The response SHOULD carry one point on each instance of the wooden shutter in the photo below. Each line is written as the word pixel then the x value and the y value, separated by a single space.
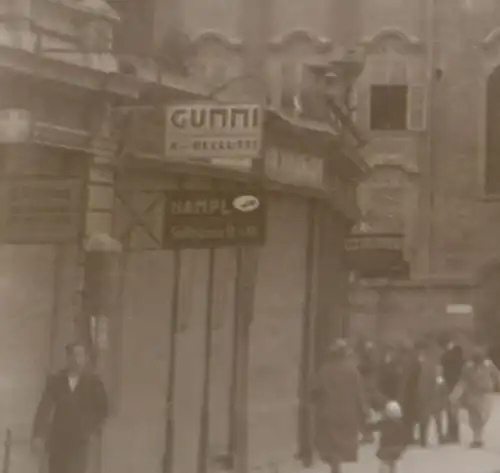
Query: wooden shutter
pixel 287 86
pixel 353 103
pixel 416 107
pixel 299 84
pixel 274 84
pixel 291 77
pixel 362 113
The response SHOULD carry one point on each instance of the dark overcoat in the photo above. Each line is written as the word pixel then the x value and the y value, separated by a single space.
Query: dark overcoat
pixel 340 408
pixel 68 419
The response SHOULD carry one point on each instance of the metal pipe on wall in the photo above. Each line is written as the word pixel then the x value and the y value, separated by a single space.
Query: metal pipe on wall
pixel 305 427
pixel 256 18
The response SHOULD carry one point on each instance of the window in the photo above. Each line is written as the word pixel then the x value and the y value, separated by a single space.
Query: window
pixel 389 107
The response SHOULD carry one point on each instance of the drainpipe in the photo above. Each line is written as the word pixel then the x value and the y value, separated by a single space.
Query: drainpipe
pixel 255 26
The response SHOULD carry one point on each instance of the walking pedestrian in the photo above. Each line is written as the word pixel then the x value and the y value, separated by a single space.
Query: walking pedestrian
pixel 440 405
pixel 452 362
pixel 392 440
pixel 419 393
pixel 338 399
pixel 474 392
pixel 71 411
pixel 391 372
pixel 368 366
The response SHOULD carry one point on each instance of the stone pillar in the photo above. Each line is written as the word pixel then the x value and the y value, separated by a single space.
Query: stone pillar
pixel 98 323
pixel 100 196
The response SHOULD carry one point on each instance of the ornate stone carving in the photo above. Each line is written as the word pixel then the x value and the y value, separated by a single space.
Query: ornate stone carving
pixel 321 45
pixel 491 49
pixel 394 39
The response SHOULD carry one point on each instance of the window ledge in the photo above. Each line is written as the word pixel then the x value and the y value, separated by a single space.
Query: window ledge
pixel 392 133
pixel 490 198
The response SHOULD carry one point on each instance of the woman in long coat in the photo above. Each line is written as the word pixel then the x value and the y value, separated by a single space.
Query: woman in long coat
pixel 474 392
pixel 340 408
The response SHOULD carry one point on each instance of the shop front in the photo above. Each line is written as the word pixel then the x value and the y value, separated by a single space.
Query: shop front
pixel 186 405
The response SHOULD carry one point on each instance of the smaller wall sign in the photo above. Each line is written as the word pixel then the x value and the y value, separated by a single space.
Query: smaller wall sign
pixel 213 218
pixel 41 210
pixel 368 242
pixel 291 167
pixel 459 309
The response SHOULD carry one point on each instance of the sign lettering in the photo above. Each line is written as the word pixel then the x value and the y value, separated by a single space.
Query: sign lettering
pixel 293 168
pixel 42 211
pixel 212 219
pixel 374 243
pixel 213 130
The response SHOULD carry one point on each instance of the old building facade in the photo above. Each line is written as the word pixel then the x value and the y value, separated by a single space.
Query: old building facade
pixel 70 176
pixel 425 103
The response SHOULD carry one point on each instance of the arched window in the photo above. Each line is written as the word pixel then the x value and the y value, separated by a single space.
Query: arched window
pixel 492 167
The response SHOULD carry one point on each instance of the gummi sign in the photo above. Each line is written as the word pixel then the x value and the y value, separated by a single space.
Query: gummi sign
pixel 213 131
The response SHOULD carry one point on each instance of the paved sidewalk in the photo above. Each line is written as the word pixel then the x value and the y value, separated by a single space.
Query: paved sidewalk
pixel 437 459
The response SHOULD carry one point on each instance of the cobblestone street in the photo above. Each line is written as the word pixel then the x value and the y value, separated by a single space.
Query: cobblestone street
pixel 436 459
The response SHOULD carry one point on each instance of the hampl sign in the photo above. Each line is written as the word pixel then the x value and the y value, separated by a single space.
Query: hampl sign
pixel 212 219
pixel 213 131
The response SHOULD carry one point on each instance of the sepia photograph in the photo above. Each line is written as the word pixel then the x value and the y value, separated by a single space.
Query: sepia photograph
pixel 249 236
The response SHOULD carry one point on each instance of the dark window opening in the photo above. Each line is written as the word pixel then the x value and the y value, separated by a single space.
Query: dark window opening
pixel 388 107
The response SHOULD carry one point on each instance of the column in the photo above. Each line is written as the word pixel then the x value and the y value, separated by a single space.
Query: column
pixel 99 322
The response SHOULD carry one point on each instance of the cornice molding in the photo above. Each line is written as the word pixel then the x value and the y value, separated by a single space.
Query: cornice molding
pixel 409 42
pixel 398 161
pixel 95 8
pixel 277 43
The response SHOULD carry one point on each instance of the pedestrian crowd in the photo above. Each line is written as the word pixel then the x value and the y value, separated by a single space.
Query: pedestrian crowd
pixel 399 391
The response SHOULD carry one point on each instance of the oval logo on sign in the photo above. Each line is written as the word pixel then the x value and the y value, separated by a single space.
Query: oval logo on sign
pixel 246 203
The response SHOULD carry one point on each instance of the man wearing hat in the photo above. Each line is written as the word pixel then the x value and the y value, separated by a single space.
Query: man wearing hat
pixel 71 412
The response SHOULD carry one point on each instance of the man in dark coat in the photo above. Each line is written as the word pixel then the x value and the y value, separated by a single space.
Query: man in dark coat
pixel 391 376
pixel 338 398
pixel 72 410
pixel 411 398
pixel 368 366
pixel 452 362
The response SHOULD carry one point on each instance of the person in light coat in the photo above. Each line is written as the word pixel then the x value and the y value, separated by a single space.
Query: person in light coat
pixel 475 392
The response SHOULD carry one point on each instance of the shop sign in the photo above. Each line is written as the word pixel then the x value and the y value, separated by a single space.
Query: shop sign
pixel 291 167
pixel 42 210
pixel 213 219
pixel 377 255
pixel 213 131
pixel 459 309
pixel 366 242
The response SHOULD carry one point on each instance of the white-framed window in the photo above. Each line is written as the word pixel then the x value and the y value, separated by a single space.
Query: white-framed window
pixel 393 101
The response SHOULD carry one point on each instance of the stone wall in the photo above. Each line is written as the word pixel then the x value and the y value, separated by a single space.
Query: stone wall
pixel 407 311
